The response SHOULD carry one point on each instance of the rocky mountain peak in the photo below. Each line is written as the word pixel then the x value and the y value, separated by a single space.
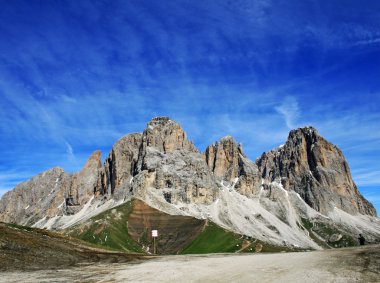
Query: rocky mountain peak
pixel 308 134
pixel 307 130
pixel 120 164
pixel 317 170
pixel 166 135
pixel 159 121
pixel 94 161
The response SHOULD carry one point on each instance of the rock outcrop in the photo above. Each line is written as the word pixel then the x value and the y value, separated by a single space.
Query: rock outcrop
pixel 120 164
pixel 171 164
pixel 162 158
pixel 315 169
pixel 42 196
pixel 228 163
pixel 84 184
pixel 166 136
pixel 51 193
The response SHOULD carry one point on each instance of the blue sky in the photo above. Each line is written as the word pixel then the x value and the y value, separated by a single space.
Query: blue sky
pixel 77 75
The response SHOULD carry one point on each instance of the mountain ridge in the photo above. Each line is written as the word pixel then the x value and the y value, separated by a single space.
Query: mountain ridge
pixel 307 178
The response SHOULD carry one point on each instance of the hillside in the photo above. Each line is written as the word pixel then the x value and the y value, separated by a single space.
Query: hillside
pixel 24 248
pixel 128 228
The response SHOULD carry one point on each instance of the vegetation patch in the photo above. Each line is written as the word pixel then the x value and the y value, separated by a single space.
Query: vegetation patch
pixel 327 236
pixel 214 239
pixel 329 231
pixel 109 229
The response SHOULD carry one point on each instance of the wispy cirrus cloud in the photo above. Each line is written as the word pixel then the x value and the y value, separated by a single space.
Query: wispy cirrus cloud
pixel 368 41
pixel 366 178
pixel 290 110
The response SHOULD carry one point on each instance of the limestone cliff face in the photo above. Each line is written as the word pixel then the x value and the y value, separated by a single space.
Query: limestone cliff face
pixel 228 163
pixel 166 136
pixel 160 159
pixel 84 183
pixel 223 158
pixel 51 193
pixel 316 170
pixel 120 164
pixel 41 196
pixel 171 164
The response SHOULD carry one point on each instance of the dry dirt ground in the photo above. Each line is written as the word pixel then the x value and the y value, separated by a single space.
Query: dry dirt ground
pixel 361 264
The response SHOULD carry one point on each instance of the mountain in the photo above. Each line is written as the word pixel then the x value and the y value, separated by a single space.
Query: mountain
pixel 298 195
pixel 317 170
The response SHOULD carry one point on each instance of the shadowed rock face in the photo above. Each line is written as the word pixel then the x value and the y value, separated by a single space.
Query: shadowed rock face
pixel 84 183
pixel 223 158
pixel 316 170
pixel 120 164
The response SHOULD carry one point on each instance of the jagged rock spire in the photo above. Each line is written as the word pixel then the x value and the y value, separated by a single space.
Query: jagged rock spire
pixel 228 162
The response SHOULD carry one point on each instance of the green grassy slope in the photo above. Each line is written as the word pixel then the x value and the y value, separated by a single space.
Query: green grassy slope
pixel 109 229
pixel 214 239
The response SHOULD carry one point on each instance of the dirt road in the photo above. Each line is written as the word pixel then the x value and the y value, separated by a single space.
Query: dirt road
pixel 360 264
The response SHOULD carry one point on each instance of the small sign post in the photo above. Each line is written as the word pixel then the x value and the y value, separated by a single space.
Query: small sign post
pixel 154 235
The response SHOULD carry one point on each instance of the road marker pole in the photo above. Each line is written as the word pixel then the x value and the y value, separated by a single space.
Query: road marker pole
pixel 154 235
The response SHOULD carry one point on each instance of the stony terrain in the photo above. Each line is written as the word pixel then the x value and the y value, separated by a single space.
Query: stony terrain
pixel 359 264
pixel 299 195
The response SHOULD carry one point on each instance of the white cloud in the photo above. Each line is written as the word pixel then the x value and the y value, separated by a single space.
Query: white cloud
pixel 68 99
pixel 368 41
pixel 70 152
pixel 290 110
pixel 371 178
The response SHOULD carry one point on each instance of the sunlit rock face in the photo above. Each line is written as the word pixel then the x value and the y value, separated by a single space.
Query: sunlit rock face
pixel 51 193
pixel 161 159
pixel 228 163
pixel 317 170
pixel 170 163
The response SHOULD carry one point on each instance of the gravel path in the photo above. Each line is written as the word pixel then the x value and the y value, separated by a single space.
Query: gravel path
pixel 360 264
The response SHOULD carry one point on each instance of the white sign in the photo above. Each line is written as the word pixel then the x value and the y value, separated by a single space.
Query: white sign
pixel 154 233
